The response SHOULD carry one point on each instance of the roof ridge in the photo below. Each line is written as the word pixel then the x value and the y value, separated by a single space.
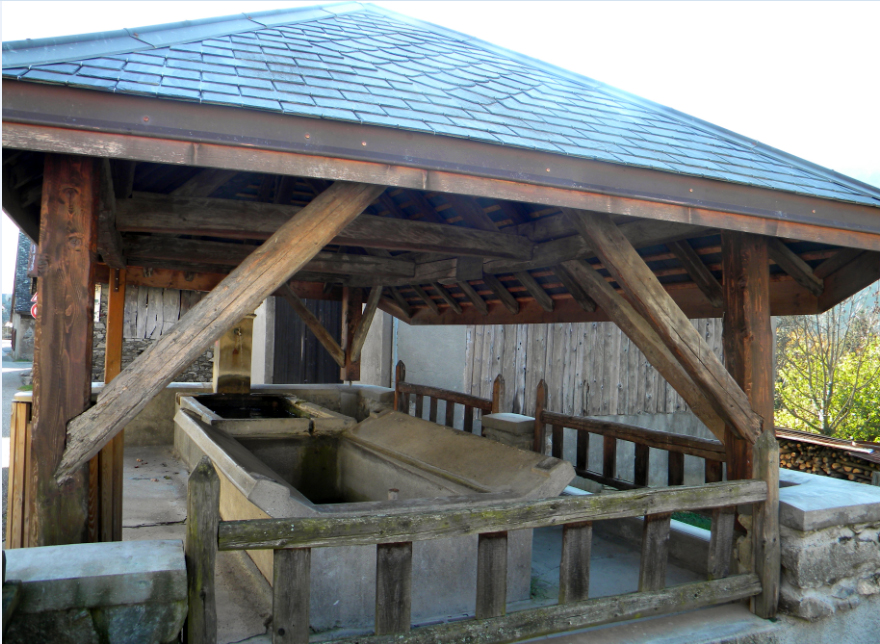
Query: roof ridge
pixel 688 119
pixel 130 40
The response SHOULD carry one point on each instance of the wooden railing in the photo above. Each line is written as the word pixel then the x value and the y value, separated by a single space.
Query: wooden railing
pixel 403 390
pixel 394 534
pixel 676 445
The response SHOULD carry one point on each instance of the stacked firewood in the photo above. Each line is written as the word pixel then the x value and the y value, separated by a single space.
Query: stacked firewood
pixel 826 461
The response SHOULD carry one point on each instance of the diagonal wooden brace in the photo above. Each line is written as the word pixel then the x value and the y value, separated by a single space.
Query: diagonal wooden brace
pixel 650 299
pixel 273 263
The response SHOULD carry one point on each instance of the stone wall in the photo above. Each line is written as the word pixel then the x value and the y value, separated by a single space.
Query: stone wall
pixel 202 370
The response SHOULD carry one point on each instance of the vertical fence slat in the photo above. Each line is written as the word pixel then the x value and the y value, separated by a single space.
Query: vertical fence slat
pixel 676 468
pixel 540 427
pixel 721 542
pixel 655 551
pixel 714 471
pixel 469 419
pixel 420 401
pixel 401 402
pixel 557 445
pixel 574 567
pixel 642 465
pixel 450 413
pixel 393 588
pixel 609 456
pixel 432 412
pixel 290 601
pixel 491 575
pixel 583 450
pixel 202 519
pixel 498 394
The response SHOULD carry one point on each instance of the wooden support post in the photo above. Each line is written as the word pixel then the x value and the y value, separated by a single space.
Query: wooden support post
pixel 714 471
pixel 675 468
pixel 321 333
pixel 352 312
pixel 62 346
pixel 393 588
pixel 540 426
pixel 290 596
pixel 112 454
pixel 655 552
pixel 273 263
pixel 202 520
pixel 642 465
pixel 721 542
pixel 401 400
pixel 497 394
pixel 491 575
pixel 574 567
pixel 556 445
pixel 658 308
pixel 363 328
pixel 748 349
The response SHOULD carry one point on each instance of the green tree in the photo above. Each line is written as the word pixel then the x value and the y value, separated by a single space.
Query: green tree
pixel 828 370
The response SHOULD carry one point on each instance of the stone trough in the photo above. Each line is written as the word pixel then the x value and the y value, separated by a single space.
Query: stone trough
pixel 281 456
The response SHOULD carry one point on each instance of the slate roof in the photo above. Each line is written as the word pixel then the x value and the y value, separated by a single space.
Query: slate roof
pixel 364 64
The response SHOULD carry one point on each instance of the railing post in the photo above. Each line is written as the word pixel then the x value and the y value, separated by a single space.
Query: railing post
pixel 291 576
pixel 202 520
pixel 469 419
pixel 450 413
pixel 582 459
pixel 432 410
pixel 675 468
pixel 557 445
pixel 574 567
pixel 393 588
pixel 721 542
pixel 491 575
pixel 642 465
pixel 655 552
pixel 497 394
pixel 540 427
pixel 399 376
pixel 765 526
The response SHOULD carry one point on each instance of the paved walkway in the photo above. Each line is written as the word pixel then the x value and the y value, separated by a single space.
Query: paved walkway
pixel 11 382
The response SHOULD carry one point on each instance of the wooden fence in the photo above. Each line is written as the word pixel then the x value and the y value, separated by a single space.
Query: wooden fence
pixel 591 368
pixel 151 312
pixel 403 390
pixel 393 535
pixel 676 445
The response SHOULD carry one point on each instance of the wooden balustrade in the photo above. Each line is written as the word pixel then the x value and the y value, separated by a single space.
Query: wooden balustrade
pixel 403 390
pixel 676 445
pixel 393 534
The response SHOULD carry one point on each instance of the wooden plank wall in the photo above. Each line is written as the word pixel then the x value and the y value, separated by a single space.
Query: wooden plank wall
pixel 591 368
pixel 151 312
pixel 299 357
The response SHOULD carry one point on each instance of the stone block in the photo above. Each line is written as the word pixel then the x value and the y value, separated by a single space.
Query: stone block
pixel 120 592
pixel 810 502
pixel 514 430
pixel 824 557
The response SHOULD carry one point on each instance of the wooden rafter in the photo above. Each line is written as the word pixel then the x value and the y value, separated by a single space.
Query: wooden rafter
pixel 478 302
pixel 427 299
pixel 400 301
pixel 109 240
pixel 241 292
pixel 795 266
pixel 698 271
pixel 574 289
pixel 447 297
pixel 205 182
pixel 363 327
pixel 501 292
pixel 535 290
pixel 660 310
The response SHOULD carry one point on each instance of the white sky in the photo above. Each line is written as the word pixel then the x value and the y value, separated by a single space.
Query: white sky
pixel 800 76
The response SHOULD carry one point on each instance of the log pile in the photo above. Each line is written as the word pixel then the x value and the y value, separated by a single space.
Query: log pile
pixel 825 460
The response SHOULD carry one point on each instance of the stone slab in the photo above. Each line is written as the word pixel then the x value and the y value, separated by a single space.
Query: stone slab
pixel 810 502
pixel 515 424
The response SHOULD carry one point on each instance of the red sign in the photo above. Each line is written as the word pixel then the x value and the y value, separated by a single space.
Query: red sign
pixel 34 307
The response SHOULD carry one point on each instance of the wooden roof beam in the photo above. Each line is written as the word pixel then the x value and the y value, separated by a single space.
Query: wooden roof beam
pixel 788 261
pixel 109 240
pixel 698 271
pixel 234 219
pixel 291 247
pixel 672 325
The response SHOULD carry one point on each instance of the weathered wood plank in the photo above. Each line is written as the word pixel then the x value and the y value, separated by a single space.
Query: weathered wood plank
pixel 352 313
pixel 111 457
pixel 765 527
pixel 721 542
pixel 491 575
pixel 202 519
pixel 655 551
pixel 240 293
pixel 290 596
pixel 366 530
pixel 698 271
pixel 537 622
pixel 788 261
pixel 574 566
pixel 630 271
pixel 323 335
pixel 393 588
pixel 62 345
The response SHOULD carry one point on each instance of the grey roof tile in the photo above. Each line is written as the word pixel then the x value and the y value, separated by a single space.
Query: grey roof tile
pixel 363 64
